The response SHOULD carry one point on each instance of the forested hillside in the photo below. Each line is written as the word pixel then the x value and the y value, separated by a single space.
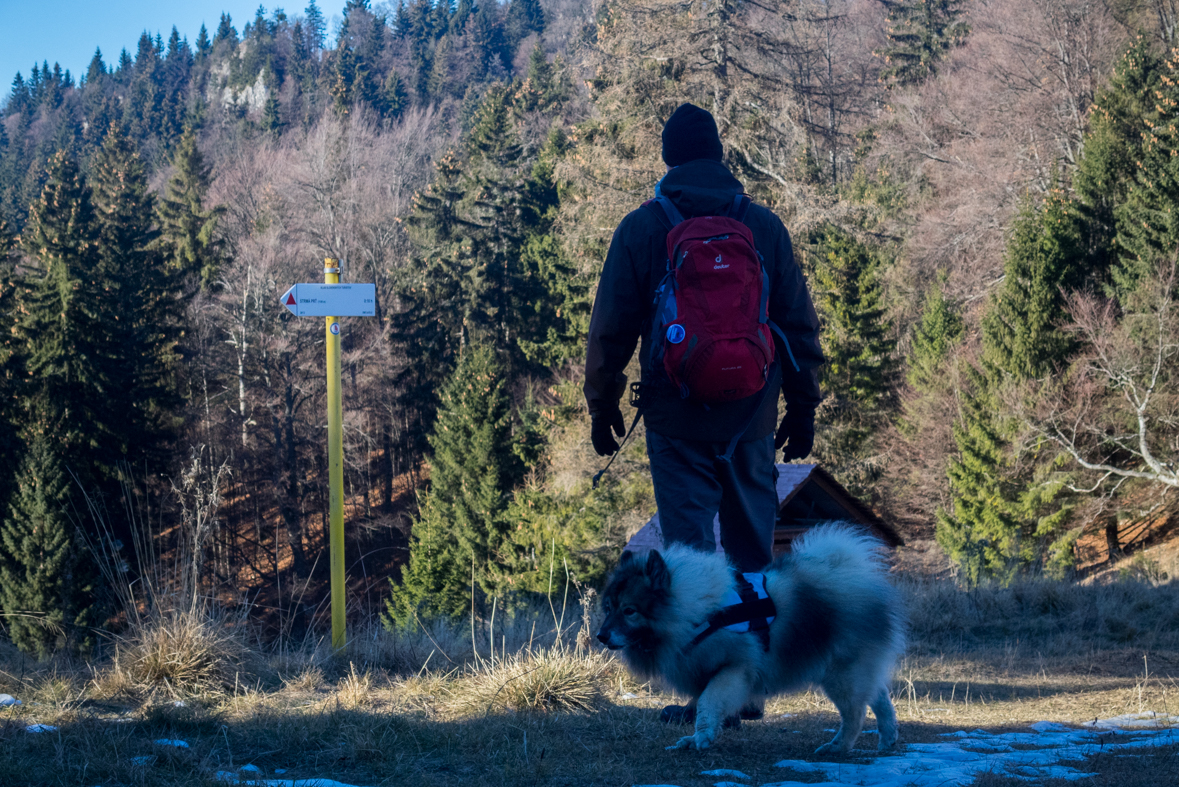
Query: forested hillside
pixel 982 194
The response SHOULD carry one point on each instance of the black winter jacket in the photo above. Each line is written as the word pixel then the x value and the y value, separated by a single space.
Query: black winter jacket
pixel 635 265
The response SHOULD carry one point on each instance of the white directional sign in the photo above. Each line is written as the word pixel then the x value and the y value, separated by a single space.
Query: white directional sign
pixel 331 300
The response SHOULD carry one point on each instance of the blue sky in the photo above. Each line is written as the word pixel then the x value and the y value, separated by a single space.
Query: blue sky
pixel 67 31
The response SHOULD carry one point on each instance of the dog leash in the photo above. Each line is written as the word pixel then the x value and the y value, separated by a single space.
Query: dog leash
pixel 636 401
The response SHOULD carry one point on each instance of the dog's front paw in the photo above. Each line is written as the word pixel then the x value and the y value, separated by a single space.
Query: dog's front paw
pixel 831 748
pixel 697 741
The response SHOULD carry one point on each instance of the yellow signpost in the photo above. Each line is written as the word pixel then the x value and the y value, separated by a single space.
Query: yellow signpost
pixel 335 413
pixel 332 300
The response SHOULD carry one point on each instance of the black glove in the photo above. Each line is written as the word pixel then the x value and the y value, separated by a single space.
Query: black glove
pixel 799 430
pixel 601 423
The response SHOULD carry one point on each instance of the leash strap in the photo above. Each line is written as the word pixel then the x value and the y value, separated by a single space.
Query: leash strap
pixel 634 422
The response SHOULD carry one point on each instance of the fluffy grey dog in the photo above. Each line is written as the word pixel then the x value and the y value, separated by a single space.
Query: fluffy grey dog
pixel 839 625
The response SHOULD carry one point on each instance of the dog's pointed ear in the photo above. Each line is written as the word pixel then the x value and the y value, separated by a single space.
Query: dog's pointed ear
pixel 627 557
pixel 656 571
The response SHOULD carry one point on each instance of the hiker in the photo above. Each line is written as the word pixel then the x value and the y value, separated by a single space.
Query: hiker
pixel 711 442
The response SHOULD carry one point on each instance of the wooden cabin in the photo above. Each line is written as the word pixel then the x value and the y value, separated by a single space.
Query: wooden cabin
pixel 807 496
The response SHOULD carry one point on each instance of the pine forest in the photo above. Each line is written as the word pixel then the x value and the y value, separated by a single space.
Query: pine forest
pixel 983 196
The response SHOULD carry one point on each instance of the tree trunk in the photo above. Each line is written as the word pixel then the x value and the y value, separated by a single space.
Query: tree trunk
pixel 1111 538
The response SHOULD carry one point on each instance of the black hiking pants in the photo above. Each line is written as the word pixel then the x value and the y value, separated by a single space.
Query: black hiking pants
pixel 693 484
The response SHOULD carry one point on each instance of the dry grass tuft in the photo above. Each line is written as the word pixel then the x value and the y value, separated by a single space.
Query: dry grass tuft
pixel 180 652
pixel 111 682
pixel 309 679
pixel 355 690
pixel 552 679
pixel 56 691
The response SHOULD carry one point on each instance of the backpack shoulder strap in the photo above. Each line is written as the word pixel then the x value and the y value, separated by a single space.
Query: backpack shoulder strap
pixel 740 207
pixel 666 211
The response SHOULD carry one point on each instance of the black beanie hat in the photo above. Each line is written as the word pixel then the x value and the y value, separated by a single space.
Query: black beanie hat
pixel 690 134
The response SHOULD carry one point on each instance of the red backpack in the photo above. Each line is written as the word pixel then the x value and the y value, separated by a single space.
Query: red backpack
pixel 711 332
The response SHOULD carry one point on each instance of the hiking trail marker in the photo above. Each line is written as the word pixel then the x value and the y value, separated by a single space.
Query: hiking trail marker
pixel 332 301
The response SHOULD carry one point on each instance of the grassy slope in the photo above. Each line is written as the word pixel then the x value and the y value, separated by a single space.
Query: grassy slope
pixel 996 659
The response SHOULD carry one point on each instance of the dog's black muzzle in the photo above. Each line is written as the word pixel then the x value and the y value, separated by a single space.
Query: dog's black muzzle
pixel 604 638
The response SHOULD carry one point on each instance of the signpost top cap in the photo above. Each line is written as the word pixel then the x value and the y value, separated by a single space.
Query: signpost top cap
pixel 331 265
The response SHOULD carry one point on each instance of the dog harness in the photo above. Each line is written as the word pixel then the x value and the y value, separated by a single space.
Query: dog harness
pixel 748 607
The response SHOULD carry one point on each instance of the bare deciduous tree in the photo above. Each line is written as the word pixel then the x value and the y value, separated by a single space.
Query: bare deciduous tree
pixel 1117 415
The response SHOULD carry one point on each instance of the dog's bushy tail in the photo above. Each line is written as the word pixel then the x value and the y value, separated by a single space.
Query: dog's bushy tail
pixel 849 563
pixel 840 545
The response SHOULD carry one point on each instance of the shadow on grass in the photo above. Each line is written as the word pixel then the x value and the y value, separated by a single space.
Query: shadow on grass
pixel 617 745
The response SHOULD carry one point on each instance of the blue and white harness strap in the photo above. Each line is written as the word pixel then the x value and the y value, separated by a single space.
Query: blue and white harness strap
pixel 747 608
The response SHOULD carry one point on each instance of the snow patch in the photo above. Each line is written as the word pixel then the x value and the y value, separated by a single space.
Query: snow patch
pixel 168 742
pixel 725 772
pixel 1132 720
pixel 960 760
pixel 7 700
pixel 234 778
pixel 1049 726
pixel 40 728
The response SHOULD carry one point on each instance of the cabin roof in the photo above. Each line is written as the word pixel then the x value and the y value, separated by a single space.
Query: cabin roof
pixel 807 495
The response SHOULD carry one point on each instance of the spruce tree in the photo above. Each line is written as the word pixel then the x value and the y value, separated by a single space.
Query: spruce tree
pixel 524 18
pixel 139 301
pixel 396 98
pixel 1108 168
pixel 1148 220
pixel 11 363
pixel 429 325
pixel 20 100
pixel 462 13
pixel 860 367
pixel 928 406
pixel 203 45
pixel 981 535
pixel 1008 512
pixel 420 34
pixel 487 267
pixel 941 328
pixel 41 591
pixel 438 84
pixel 469 282
pixel 64 326
pixel 143 112
pixel 188 230
pixel 1024 326
pixel 342 87
pixel 316 25
pixel 489 42
pixel 226 33
pixel 97 68
pixel 555 327
pixel 920 34
pixel 271 116
pixel 473 470
pixel 545 87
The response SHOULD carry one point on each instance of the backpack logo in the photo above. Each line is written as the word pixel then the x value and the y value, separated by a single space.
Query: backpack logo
pixel 675 333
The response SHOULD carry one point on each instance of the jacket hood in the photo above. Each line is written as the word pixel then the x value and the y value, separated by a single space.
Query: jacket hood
pixel 701 188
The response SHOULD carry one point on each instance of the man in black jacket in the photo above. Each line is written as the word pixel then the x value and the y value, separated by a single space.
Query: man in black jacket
pixel 686 440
